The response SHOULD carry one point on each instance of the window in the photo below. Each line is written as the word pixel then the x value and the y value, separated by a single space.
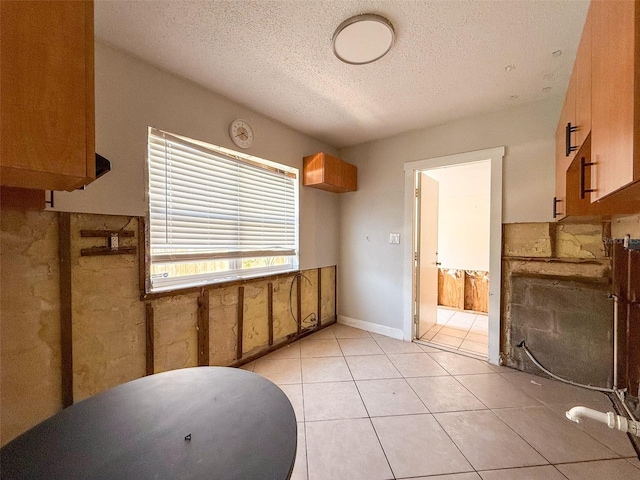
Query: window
pixel 216 215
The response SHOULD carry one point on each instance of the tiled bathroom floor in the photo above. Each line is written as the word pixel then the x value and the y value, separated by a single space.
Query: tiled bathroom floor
pixel 457 330
pixel 373 408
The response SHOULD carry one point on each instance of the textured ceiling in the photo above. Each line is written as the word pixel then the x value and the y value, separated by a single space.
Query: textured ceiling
pixel 275 57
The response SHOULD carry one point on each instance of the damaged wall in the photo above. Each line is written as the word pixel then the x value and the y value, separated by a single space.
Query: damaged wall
pixel 109 319
pixel 556 281
pixel 30 327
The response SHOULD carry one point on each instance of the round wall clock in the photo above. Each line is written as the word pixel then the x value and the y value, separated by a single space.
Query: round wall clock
pixel 241 133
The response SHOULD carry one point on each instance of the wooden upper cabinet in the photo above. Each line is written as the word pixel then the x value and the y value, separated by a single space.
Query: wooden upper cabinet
pixel 47 84
pixel 615 142
pixel 578 196
pixel 326 172
pixel 583 85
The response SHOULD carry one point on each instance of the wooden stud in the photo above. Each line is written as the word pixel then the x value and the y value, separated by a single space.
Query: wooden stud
pixel 214 286
pixel 319 297
pixel 203 328
pixel 287 341
pixel 66 333
pixel 107 233
pixel 240 321
pixel 93 251
pixel 299 302
pixel 150 329
pixel 270 311
pixel 142 271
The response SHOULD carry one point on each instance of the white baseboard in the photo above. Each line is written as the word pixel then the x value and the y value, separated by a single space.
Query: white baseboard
pixel 371 327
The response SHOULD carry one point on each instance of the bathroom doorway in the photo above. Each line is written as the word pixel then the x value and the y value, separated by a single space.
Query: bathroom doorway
pixel 453 253
pixel 414 326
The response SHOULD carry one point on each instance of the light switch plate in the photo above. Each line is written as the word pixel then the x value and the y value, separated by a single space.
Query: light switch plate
pixel 394 238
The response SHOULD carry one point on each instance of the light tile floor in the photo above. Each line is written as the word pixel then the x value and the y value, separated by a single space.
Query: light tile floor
pixel 458 330
pixel 373 408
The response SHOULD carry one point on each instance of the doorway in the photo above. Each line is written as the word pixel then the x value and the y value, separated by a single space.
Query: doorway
pixel 411 276
pixel 452 256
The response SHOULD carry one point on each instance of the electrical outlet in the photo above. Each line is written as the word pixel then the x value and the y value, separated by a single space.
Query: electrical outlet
pixel 394 238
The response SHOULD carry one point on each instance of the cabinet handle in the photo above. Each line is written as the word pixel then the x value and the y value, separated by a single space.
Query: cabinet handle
pixel 568 148
pixel 555 207
pixel 583 191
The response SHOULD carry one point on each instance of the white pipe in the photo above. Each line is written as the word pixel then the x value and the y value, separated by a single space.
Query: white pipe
pixel 611 419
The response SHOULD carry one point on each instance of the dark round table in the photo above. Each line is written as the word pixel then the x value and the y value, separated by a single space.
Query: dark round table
pixel 194 423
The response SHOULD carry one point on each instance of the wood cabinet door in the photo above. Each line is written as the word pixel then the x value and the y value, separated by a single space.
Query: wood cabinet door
pixel 613 96
pixel 332 171
pixel 560 199
pixel 583 84
pixel 563 161
pixel 47 94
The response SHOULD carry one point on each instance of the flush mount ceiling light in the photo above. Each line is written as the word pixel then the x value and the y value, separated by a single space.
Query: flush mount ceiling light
pixel 363 39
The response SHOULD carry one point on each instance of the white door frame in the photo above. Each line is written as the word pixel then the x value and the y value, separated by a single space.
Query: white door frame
pixel 494 155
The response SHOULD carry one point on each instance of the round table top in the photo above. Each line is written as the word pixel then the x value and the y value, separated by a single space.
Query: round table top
pixel 194 423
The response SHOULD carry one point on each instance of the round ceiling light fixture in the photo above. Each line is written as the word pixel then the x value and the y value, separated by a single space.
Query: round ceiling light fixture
pixel 363 39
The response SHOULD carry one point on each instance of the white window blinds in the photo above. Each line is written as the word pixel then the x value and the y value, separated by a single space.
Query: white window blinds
pixel 206 205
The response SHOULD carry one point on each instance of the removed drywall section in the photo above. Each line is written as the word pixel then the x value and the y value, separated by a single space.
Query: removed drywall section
pixel 526 240
pixel 567 324
pixel 109 334
pixel 30 329
pixel 476 291
pixel 175 337
pixel 256 312
pixel 328 297
pixel 107 314
pixel 623 226
pixel 579 240
pixel 451 288
pixel 285 307
pixel 463 289
pixel 223 340
pixel 309 298
pixel 555 298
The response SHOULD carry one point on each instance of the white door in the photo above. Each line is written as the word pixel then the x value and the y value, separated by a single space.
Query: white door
pixel 427 258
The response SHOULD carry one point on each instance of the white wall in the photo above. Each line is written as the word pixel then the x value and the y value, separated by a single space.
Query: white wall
pixel 463 215
pixel 132 95
pixel 371 270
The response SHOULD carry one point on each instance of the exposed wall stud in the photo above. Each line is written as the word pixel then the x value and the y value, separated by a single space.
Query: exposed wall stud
pixel 142 273
pixel 299 302
pixel 66 334
pixel 203 328
pixel 270 311
pixel 150 338
pixel 240 321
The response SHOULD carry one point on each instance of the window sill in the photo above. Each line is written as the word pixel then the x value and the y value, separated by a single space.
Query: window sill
pixel 171 291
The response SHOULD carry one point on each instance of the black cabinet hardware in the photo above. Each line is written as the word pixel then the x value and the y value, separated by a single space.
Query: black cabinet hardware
pixel 583 190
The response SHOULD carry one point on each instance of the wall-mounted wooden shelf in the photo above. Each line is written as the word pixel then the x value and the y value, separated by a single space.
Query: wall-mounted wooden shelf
pixel 326 172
